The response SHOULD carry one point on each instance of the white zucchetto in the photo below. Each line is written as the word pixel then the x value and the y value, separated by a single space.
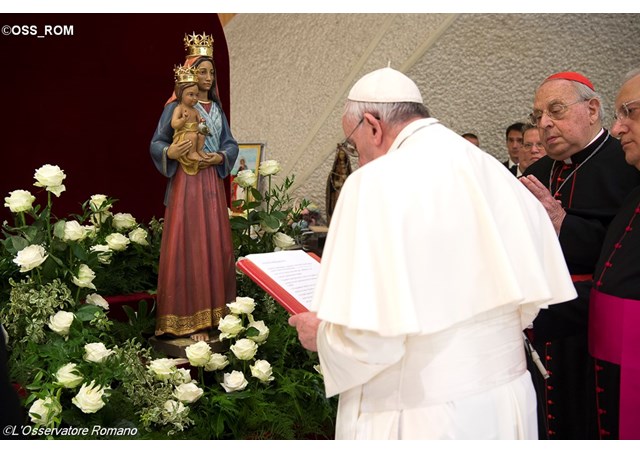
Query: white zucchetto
pixel 385 85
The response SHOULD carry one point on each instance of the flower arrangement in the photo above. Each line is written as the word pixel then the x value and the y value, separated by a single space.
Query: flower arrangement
pixel 89 376
pixel 94 248
pixel 268 220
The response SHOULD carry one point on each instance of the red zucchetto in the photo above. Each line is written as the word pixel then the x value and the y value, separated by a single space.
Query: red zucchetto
pixel 574 76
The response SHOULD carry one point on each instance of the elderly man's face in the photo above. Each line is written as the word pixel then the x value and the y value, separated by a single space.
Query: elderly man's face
pixel 532 148
pixel 353 130
pixel 571 131
pixel 627 126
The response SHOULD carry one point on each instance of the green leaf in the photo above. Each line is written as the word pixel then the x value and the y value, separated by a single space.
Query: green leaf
pixel 58 229
pixel 255 193
pixel 252 332
pixel 17 244
pixel 131 314
pixel 239 223
pixel 79 251
pixel 280 215
pixel 87 312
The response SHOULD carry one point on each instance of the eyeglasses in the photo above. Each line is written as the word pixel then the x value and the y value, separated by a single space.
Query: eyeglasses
pixel 623 112
pixel 348 147
pixel 555 111
pixel 528 146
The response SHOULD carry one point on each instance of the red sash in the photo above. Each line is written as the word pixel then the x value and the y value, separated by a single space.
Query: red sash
pixel 614 336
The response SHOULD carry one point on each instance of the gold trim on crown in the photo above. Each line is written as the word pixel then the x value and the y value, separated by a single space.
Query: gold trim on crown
pixel 185 74
pixel 198 45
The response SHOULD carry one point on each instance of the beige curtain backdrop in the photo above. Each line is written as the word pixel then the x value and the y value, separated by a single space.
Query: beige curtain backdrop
pixel 290 73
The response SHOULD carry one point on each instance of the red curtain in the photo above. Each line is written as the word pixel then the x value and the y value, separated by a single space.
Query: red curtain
pixel 88 99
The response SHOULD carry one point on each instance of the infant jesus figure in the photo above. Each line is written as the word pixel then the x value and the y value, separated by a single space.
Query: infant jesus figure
pixel 188 125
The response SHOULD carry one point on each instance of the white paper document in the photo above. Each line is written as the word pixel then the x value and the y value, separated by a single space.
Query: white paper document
pixel 294 270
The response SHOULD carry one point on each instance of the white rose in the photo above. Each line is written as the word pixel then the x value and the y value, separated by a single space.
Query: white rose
pixel 188 393
pixel 246 178
pixel 269 167
pixel 173 407
pixel 139 236
pixel 19 201
pixel 100 217
pixel 50 177
pixel 103 251
pixel 99 202
pixel 43 411
pixel 230 326
pixel 182 376
pixel 163 369
pixel 97 300
pixel 117 241
pixel 89 398
pixel 122 221
pixel 216 362
pixel 96 352
pixel 242 305
pixel 73 231
pixel 68 376
pixel 234 381
pixel 91 230
pixel 283 241
pixel 198 353
pixel 261 370
pixel 85 277
pixel 244 349
pixel 263 332
pixel 61 322
pixel 30 257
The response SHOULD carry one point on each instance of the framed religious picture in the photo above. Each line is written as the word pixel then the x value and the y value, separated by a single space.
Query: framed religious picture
pixel 249 156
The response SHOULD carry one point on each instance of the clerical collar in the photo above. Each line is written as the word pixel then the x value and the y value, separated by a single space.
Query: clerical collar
pixel 584 154
pixel 411 129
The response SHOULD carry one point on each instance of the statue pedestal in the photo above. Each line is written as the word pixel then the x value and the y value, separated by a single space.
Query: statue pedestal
pixel 175 347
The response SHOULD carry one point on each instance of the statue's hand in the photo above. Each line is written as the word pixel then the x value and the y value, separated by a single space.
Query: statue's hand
pixel 176 150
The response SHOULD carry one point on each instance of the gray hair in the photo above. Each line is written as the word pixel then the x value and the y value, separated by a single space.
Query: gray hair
pixel 584 93
pixel 389 112
pixel 630 75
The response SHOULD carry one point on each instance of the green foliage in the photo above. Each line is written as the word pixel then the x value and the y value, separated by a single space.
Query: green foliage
pixel 122 256
pixel 30 306
pixel 264 216
pixel 119 254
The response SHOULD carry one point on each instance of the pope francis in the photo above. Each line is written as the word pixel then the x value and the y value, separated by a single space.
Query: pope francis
pixel 424 293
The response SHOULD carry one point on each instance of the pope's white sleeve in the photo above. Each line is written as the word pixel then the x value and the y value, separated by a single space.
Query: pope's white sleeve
pixel 351 357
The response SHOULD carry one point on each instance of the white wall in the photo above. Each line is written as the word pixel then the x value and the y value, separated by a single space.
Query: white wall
pixel 290 73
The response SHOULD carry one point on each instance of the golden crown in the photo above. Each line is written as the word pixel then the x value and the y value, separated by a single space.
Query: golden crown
pixel 184 74
pixel 198 45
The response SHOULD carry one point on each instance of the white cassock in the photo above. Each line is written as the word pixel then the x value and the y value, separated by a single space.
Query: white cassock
pixel 436 260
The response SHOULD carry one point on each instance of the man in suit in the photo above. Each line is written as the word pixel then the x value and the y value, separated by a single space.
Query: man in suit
pixel 514 143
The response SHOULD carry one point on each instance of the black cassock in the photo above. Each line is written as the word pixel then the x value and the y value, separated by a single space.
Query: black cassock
pixel 592 187
pixel 617 274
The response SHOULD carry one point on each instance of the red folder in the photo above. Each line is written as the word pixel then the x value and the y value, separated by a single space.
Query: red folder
pixel 272 288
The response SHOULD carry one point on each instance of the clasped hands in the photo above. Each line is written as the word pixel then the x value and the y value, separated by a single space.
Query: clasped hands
pixel 176 150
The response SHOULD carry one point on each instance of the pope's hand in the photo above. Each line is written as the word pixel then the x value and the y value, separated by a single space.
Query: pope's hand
pixel 307 326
